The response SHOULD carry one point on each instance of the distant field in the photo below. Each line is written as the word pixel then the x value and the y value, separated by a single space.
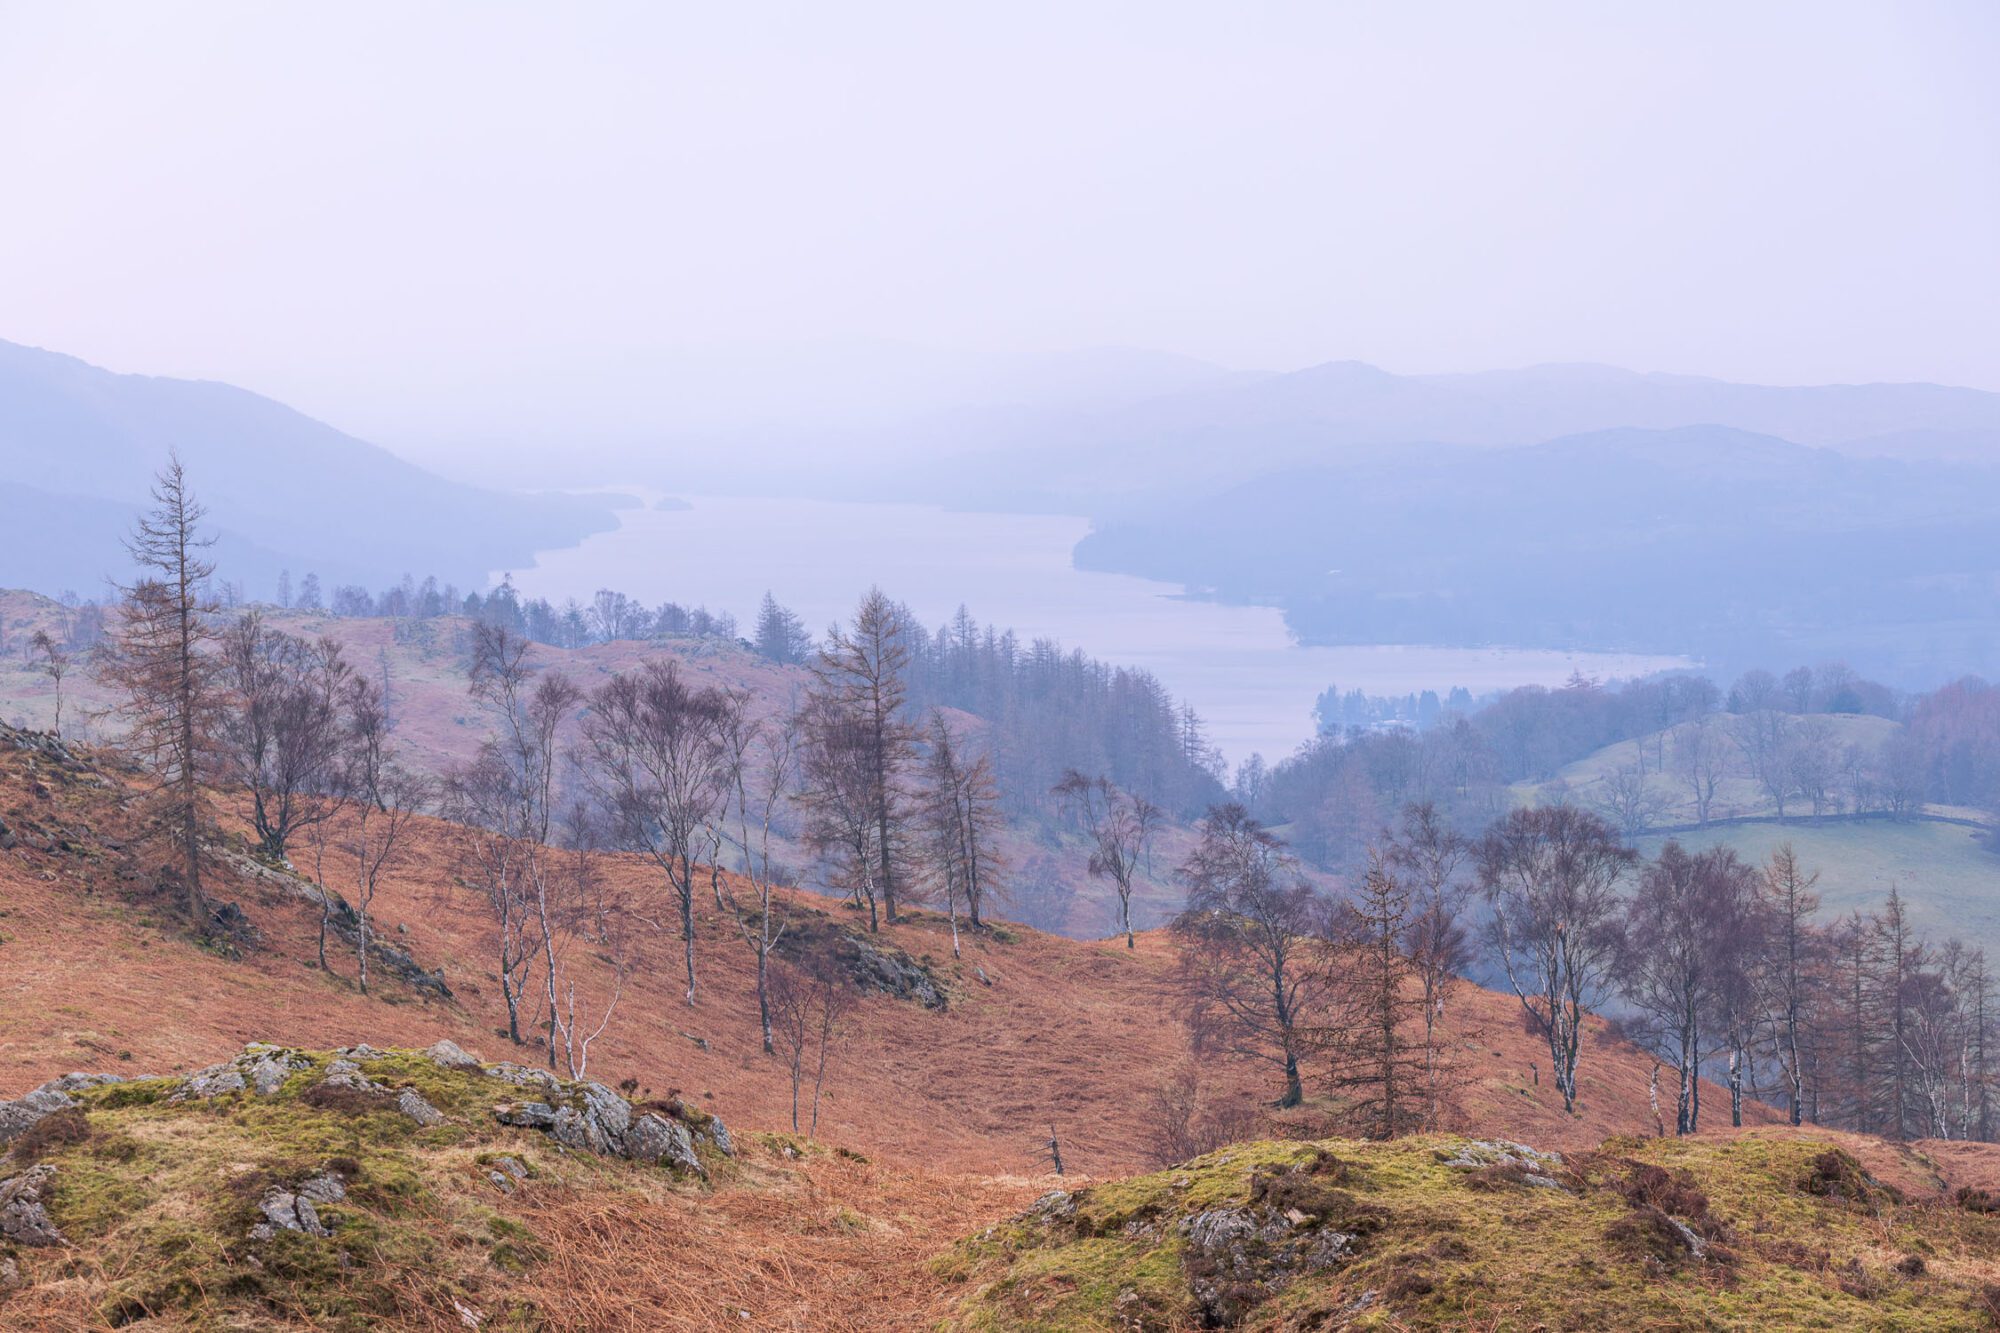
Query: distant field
pixel 1951 883
pixel 1737 796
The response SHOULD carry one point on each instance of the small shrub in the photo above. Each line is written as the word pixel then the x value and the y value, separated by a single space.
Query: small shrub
pixel 346 1100
pixel 1975 1200
pixel 1911 1265
pixel 1858 1282
pixel 1836 1175
pixel 54 1130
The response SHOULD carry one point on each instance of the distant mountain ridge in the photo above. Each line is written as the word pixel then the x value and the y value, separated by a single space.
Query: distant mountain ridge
pixel 1721 544
pixel 79 446
pixel 1112 460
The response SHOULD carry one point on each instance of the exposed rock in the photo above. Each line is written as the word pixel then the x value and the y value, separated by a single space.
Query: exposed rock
pixel 286 1211
pixel 569 1130
pixel 210 1083
pixel 656 1139
pixel 512 1166
pixel 327 1188
pixel 414 1106
pixel 16 1117
pixel 10 1275
pixel 523 1077
pixel 718 1134
pixel 871 964
pixel 268 1074
pixel 344 1073
pixel 449 1054
pixel 24 1218
pixel 1528 1166
pixel 501 1181
pixel 1238 1257
pixel 1055 1206
pixel 889 970
pixel 526 1115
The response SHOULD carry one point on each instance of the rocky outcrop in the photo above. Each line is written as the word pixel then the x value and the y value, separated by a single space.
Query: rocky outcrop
pixel 24 1215
pixel 411 1104
pixel 1501 1159
pixel 589 1117
pixel 447 1054
pixel 260 1068
pixel 1237 1258
pixel 298 1210
pixel 889 971
pixel 872 964
pixel 21 1114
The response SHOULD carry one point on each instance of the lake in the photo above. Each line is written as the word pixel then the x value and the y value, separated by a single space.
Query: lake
pixel 1236 664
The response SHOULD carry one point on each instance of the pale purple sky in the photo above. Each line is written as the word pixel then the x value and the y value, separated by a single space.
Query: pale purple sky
pixel 434 223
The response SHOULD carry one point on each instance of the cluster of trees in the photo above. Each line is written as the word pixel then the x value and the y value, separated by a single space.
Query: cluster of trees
pixel 706 785
pixel 1051 712
pixel 215 702
pixel 1721 968
pixel 1335 713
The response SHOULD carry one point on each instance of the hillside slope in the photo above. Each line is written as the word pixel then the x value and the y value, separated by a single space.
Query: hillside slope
pixel 938 1116
pixel 424 666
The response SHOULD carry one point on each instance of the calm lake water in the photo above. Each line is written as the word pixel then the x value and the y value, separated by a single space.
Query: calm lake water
pixel 1237 665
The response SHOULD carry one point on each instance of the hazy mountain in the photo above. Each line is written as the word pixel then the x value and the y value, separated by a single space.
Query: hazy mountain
pixel 1109 459
pixel 283 490
pixel 1719 543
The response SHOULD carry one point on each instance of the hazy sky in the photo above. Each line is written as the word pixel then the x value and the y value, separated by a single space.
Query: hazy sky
pixel 433 223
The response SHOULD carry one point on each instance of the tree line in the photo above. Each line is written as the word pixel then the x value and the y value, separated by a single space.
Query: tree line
pixel 1725 971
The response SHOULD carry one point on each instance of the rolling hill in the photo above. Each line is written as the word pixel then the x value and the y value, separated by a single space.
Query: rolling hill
pixel 79 444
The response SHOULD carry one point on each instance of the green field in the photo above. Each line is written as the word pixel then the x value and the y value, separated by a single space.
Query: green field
pixel 1951 883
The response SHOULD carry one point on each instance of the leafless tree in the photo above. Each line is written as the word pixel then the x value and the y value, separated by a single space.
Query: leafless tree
pixel 486 810
pixel 1787 974
pixel 1628 800
pixel 809 1005
pixel 655 750
pixel 278 733
pixel 1684 952
pixel 838 794
pixel 1550 877
pixel 1812 761
pixel 961 817
pixel 531 711
pixel 1188 1117
pixel 52 660
pixel 156 660
pixel 1434 862
pixel 1253 953
pixel 1764 738
pixel 389 799
pixel 1700 762
pixel 762 760
pixel 1120 826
